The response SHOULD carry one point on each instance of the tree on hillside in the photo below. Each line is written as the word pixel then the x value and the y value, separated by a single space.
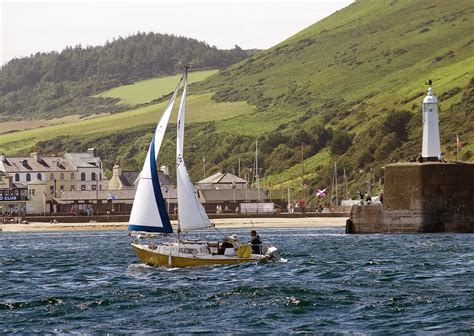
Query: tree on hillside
pixel 397 122
pixel 340 143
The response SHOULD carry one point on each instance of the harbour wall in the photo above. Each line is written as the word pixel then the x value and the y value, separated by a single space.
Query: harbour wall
pixel 420 197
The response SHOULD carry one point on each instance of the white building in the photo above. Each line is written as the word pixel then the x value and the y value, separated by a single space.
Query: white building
pixel 89 169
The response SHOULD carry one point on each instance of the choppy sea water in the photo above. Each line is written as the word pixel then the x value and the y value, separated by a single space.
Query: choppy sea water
pixel 92 282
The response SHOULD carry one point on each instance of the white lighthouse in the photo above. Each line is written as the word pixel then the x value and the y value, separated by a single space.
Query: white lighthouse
pixel 431 148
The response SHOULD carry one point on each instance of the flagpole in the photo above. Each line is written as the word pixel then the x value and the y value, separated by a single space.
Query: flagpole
pixel 44 203
pixel 457 147
pixel 204 167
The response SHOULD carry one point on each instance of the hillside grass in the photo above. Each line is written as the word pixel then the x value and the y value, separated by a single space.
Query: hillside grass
pixel 372 51
pixel 147 90
pixel 200 109
pixel 350 72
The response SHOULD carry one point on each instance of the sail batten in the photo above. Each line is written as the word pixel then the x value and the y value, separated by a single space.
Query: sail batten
pixel 191 214
pixel 149 210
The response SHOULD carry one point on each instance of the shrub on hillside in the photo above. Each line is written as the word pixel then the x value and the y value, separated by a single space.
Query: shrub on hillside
pixel 340 143
pixel 397 122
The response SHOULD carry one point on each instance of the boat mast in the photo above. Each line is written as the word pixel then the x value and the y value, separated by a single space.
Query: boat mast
pixel 257 181
pixel 302 170
pixel 345 184
pixel 335 181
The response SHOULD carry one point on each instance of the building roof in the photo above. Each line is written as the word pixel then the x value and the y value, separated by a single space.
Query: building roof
pixel 165 180
pixel 222 178
pixel 29 164
pixel 83 160
pixel 239 195
pixel 128 178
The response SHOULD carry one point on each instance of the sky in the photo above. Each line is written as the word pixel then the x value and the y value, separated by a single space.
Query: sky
pixel 27 27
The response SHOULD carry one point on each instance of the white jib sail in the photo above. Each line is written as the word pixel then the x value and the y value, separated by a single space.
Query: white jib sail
pixel 191 214
pixel 149 211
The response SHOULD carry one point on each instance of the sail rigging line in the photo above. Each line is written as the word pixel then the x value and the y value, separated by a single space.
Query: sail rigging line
pixel 223 235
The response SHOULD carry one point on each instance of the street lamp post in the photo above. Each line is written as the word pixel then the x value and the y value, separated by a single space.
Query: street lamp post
pixel 96 196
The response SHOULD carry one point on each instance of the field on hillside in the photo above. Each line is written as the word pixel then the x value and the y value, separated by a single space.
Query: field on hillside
pixel 200 108
pixel 147 90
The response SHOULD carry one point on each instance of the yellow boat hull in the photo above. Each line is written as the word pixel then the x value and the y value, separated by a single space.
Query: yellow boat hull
pixel 156 259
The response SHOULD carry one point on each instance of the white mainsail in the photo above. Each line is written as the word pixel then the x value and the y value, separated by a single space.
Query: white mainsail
pixel 149 211
pixel 191 214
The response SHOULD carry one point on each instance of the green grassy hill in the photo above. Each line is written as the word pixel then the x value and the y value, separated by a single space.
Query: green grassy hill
pixel 148 90
pixel 201 109
pixel 360 74
pixel 347 89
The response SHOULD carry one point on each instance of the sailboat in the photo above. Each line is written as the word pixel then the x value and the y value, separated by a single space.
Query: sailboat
pixel 149 215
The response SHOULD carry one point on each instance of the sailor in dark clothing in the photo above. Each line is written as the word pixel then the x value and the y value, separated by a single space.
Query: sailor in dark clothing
pixel 255 242
pixel 226 244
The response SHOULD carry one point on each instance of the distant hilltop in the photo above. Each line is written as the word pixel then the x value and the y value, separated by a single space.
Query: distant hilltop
pixel 50 85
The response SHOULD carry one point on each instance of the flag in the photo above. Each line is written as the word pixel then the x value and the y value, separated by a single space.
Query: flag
pixel 321 193
pixel 458 144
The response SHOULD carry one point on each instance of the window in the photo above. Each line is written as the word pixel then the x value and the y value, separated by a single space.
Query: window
pixel 94 187
pixel 100 187
pixel 51 176
pixel 73 187
pixel 83 187
pixel 61 177
pixel 17 177
pixel 61 188
pixel 100 176
pixel 83 176
pixel 33 192
pixel 93 176
pixel 51 189
pixel 72 176
pixel 28 177
pixel 39 177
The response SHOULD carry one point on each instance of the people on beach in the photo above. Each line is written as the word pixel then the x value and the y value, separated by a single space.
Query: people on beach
pixel 368 200
pixel 255 242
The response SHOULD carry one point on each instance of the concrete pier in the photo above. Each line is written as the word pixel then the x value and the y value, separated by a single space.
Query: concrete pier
pixel 420 197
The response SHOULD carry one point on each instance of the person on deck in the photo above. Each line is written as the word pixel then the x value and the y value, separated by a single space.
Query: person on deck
pixel 255 242
pixel 234 239
pixel 226 244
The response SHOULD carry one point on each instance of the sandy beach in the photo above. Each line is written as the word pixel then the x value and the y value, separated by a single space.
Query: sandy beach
pixel 220 223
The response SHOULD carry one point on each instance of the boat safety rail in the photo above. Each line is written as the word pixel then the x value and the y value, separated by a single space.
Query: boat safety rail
pixel 262 248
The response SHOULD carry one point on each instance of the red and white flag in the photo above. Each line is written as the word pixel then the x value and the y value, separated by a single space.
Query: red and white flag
pixel 321 193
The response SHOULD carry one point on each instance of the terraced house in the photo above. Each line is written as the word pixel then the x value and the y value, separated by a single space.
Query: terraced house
pixel 48 177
